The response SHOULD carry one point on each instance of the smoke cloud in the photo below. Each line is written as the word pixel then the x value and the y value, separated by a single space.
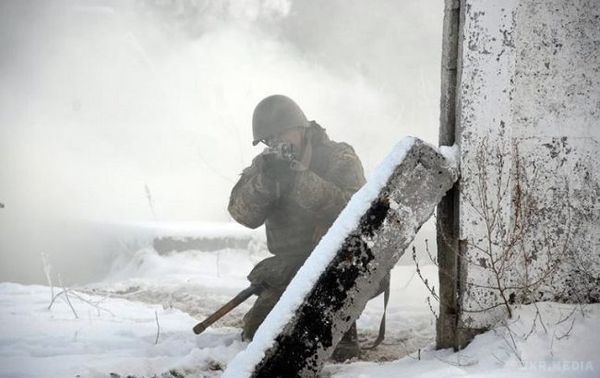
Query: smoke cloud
pixel 138 111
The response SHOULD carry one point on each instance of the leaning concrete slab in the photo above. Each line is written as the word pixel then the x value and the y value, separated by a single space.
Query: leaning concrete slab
pixel 332 288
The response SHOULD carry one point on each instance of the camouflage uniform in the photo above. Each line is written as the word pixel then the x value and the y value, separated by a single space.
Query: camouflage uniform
pixel 296 210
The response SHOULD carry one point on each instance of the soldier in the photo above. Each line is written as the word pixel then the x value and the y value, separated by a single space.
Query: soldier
pixel 296 187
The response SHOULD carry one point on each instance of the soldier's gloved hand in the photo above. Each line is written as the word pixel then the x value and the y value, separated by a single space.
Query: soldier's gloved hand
pixel 278 169
pixel 275 167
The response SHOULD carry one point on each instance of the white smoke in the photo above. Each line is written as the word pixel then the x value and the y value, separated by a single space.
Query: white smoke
pixel 105 103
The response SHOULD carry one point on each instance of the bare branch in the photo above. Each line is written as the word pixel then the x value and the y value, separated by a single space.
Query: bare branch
pixel 433 259
pixel 423 279
pixel 431 308
pixel 568 333
pixel 67 297
pixel 567 317
pixel 157 327
pixel 48 272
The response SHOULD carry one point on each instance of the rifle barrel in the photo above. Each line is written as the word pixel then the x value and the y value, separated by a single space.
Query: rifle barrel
pixel 236 301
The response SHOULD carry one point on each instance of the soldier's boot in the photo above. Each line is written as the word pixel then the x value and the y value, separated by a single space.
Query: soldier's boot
pixel 348 347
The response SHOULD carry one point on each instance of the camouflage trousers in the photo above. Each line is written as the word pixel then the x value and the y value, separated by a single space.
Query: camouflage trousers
pixel 267 299
pixel 265 302
pixel 272 275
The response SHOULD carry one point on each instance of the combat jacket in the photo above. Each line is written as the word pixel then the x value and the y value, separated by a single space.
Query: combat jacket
pixel 297 217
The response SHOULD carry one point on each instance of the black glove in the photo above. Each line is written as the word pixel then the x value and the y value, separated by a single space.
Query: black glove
pixel 277 162
pixel 275 167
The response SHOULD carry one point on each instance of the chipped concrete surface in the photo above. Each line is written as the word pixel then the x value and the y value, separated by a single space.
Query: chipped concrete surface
pixel 528 117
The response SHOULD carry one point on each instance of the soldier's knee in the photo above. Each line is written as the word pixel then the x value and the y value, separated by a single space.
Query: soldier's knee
pixel 257 314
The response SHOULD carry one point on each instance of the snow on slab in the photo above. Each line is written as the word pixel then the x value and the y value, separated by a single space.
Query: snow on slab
pixel 451 153
pixel 316 263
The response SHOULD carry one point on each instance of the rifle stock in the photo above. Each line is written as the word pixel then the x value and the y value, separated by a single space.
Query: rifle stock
pixel 226 308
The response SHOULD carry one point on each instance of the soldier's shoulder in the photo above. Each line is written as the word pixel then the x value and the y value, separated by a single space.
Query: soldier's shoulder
pixel 342 150
pixel 332 145
pixel 345 165
pixel 331 151
pixel 255 167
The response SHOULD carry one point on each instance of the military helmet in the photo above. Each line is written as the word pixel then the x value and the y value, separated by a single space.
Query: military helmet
pixel 275 114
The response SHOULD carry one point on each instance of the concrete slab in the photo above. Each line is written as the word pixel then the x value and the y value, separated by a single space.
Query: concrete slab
pixel 368 252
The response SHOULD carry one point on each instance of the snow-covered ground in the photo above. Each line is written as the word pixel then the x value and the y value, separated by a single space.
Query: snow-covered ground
pixel 563 342
pixel 113 327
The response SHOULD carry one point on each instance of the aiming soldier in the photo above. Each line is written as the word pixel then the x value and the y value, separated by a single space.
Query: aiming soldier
pixel 297 187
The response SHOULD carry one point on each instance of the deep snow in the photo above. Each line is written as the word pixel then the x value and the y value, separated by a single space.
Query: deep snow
pixel 118 334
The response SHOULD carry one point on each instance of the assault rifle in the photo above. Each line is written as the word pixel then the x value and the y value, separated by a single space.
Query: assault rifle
pixel 281 158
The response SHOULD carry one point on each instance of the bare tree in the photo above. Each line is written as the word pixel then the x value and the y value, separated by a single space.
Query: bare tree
pixel 521 248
